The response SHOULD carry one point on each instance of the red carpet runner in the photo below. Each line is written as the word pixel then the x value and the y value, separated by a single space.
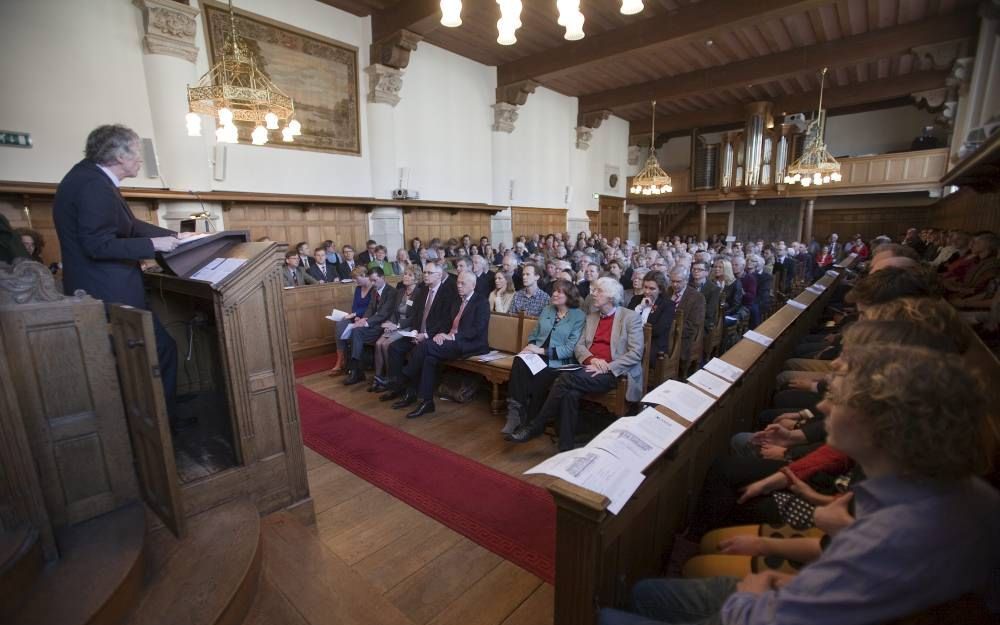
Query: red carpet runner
pixel 309 366
pixel 511 518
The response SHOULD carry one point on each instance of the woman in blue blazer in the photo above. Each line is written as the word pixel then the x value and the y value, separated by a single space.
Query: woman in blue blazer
pixel 554 339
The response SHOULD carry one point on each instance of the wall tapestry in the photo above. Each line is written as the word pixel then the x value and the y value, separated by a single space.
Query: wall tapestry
pixel 320 75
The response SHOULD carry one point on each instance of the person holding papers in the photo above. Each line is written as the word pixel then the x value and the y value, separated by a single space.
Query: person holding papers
pixel 367 328
pixel 362 297
pixel 553 340
pixel 402 318
pixel 611 345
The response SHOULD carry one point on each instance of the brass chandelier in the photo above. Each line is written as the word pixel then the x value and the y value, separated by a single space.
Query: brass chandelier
pixel 236 90
pixel 652 180
pixel 816 166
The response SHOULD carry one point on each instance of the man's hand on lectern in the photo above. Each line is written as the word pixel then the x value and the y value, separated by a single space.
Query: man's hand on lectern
pixel 165 244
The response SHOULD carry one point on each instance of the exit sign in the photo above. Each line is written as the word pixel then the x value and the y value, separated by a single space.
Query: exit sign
pixel 15 139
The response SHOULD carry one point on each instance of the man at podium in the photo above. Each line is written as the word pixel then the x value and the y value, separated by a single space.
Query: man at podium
pixel 102 242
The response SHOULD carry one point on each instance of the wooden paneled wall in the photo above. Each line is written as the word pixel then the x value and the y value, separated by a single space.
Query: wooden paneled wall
pixel 649 225
pixel 289 223
pixel 868 222
pixel 967 210
pixel 445 223
pixel 41 220
pixel 527 221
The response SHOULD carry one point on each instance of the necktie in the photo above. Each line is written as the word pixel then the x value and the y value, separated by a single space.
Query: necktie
pixel 295 277
pixel 458 317
pixel 427 310
pixel 377 299
pixel 322 270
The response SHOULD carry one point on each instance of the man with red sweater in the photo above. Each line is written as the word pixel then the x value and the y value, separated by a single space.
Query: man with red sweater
pixel 611 345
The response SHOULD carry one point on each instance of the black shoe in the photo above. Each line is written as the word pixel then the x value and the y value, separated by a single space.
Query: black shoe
pixel 377 388
pixel 394 393
pixel 408 399
pixel 523 435
pixel 425 407
pixel 355 377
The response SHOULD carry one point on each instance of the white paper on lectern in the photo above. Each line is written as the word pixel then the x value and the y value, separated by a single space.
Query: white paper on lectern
pixel 685 400
pixel 596 470
pixel 218 269
pixel 723 369
pixel 712 384
pixel 759 338
pixel 534 361
pixel 796 304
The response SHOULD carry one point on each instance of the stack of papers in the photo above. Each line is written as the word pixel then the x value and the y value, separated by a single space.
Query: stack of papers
pixel 534 362
pixel 724 370
pixel 218 269
pixel 687 401
pixel 759 338
pixel 336 315
pixel 711 384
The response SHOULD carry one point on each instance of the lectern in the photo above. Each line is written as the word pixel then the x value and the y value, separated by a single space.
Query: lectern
pixel 220 297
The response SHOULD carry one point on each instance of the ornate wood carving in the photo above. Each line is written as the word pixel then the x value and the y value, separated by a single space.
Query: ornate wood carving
pixel 516 93
pixel 169 28
pixel 26 282
pixel 394 50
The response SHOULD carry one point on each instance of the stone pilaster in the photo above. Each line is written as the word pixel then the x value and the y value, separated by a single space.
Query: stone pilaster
pixel 384 84
pixel 504 117
pixel 169 28
pixel 584 136
pixel 634 154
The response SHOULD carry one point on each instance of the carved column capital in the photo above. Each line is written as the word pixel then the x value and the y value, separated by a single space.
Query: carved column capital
pixel 384 84
pixel 169 28
pixel 504 117
pixel 931 99
pixel 592 119
pixel 516 93
pixel 584 136
pixel 394 50
pixel 634 154
pixel 938 56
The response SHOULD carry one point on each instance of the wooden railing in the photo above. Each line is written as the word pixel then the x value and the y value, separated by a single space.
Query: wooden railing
pixel 882 173
pixel 599 555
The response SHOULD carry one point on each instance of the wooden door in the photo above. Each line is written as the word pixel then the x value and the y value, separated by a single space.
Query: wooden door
pixel 146 411
pixel 614 221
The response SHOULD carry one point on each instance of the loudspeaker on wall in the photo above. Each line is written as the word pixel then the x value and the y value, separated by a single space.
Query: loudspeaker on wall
pixel 219 163
pixel 152 166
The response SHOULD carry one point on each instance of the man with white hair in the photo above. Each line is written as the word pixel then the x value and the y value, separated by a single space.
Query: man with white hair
pixel 692 304
pixel 484 277
pixel 611 345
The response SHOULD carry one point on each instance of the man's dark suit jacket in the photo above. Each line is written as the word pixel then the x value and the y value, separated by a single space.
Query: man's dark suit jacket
pixel 693 305
pixel 484 283
pixel 784 272
pixel 100 239
pixel 376 314
pixel 764 282
pixel 711 293
pixel 344 270
pixel 331 272
pixel 440 316
pixel 472 336
pixel 363 258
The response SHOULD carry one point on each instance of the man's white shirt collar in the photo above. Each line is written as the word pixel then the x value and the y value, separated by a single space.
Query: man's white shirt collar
pixel 114 178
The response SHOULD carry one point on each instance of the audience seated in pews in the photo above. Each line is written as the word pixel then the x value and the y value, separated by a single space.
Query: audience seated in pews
pixel 367 328
pixel 292 274
pixel 409 291
pixel 690 302
pixel 362 298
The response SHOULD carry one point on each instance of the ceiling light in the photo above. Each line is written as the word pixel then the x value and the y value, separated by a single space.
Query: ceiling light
pixel 574 27
pixel 631 7
pixel 652 180
pixel 451 13
pixel 816 165
pixel 566 8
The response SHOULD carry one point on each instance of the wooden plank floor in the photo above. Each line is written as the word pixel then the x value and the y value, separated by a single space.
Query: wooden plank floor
pixel 427 571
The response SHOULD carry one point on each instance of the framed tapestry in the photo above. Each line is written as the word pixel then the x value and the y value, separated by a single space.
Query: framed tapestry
pixel 320 75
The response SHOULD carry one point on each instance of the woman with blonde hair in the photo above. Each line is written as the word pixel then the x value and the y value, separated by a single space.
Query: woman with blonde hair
pixel 732 290
pixel 502 295
pixel 400 319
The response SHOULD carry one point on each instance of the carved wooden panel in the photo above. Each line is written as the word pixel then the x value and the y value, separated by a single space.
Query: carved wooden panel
pixel 868 222
pixel 967 210
pixel 287 223
pixel 613 220
pixel 41 220
pixel 68 394
pixel 527 221
pixel 428 223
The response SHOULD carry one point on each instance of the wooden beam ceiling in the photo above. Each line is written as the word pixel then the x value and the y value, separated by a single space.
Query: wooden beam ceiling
pixel 419 16
pixel 873 92
pixel 843 52
pixel 691 22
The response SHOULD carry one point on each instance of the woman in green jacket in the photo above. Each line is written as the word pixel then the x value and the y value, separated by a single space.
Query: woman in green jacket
pixel 554 340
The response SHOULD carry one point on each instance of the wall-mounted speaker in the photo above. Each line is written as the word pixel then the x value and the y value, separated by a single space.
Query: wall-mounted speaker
pixel 151 165
pixel 219 163
pixel 510 190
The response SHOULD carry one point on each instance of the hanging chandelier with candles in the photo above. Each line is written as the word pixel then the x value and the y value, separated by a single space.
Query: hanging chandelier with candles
pixel 652 180
pixel 234 90
pixel 816 166
pixel 570 17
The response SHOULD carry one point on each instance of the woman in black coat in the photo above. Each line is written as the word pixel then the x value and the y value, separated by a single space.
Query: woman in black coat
pixel 657 309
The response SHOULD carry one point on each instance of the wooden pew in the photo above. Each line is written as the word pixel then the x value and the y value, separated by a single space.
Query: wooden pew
pixel 599 556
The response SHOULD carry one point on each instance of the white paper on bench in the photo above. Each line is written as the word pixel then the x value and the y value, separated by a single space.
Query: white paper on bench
pixel 685 400
pixel 490 356
pixel 759 338
pixel 596 470
pixel 534 362
pixel 724 370
pixel 336 315
pixel 816 288
pixel 833 273
pixel 711 384
pixel 410 334
pixel 638 441
pixel 794 303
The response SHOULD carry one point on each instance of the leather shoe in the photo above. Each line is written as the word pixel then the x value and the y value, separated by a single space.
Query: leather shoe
pixel 408 399
pixel 376 387
pixel 522 435
pixel 394 393
pixel 355 377
pixel 425 407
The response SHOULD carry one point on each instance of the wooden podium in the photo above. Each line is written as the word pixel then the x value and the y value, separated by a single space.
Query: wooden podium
pixel 235 383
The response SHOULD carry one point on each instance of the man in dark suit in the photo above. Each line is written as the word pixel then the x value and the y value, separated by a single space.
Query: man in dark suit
pixel 368 255
pixel 321 269
pixel 467 336
pixel 431 314
pixel 367 329
pixel 784 268
pixel 764 283
pixel 305 255
pixel 102 242
pixel 484 277
pixel 692 304
pixel 708 290
pixel 347 264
